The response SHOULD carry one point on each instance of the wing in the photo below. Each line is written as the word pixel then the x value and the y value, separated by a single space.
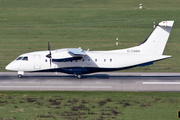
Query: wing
pixel 74 54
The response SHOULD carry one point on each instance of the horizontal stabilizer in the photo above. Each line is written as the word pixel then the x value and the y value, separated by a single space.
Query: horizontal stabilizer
pixel 142 60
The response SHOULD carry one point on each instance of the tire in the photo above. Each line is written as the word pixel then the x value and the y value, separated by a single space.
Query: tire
pixel 79 76
pixel 19 76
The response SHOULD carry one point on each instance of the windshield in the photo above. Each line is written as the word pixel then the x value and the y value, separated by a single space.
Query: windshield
pixel 23 58
pixel 19 58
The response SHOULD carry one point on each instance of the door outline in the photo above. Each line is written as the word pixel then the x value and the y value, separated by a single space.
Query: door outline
pixel 37 59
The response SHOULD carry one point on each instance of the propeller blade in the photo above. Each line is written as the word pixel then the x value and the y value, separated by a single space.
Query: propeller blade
pixel 49 55
pixel 49 46
pixel 50 61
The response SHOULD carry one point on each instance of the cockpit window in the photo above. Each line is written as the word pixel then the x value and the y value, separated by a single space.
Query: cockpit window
pixel 19 58
pixel 25 58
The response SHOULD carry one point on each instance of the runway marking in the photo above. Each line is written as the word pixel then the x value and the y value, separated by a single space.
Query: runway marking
pixel 162 83
pixel 52 87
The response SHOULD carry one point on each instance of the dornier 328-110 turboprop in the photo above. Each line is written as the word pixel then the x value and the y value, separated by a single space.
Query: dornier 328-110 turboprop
pixel 78 62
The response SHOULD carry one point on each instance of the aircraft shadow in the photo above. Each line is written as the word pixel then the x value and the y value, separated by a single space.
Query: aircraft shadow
pixel 93 76
pixel 102 76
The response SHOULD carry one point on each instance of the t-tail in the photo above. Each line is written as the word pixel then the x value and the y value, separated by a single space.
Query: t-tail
pixel 156 42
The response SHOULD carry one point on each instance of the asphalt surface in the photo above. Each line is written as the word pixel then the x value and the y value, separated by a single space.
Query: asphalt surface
pixel 104 81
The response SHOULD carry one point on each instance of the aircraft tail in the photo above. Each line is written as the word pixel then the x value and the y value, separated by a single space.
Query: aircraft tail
pixel 157 40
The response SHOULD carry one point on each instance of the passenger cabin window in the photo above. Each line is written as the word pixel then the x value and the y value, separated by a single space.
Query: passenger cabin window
pixel 95 60
pixel 25 58
pixel 110 60
pixel 104 60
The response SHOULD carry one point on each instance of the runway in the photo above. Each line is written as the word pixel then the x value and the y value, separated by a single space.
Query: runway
pixel 104 81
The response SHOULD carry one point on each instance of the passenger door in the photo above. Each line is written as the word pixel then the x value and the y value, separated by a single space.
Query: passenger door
pixel 37 61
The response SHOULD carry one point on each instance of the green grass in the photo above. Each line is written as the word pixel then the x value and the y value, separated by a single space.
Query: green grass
pixel 89 105
pixel 26 26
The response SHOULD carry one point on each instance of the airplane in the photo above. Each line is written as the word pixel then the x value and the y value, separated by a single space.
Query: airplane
pixel 78 62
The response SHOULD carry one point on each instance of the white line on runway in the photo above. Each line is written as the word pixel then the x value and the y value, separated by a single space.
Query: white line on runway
pixel 84 87
pixel 162 83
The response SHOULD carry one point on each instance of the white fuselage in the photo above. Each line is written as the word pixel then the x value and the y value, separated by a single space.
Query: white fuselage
pixel 112 60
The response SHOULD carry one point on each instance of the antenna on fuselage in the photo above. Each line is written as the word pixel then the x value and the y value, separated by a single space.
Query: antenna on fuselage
pixel 49 55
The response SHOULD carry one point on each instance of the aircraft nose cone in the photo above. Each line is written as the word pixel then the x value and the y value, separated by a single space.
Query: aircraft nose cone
pixel 11 66
pixel 8 67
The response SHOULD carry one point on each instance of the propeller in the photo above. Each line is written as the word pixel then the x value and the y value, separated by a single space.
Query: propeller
pixel 49 55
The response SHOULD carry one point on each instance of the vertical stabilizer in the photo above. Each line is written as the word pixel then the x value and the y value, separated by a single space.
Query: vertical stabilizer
pixel 157 40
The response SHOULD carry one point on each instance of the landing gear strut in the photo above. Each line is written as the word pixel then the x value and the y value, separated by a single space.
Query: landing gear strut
pixel 20 74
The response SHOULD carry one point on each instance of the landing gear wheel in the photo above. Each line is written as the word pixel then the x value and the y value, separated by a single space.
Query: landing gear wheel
pixel 19 76
pixel 79 76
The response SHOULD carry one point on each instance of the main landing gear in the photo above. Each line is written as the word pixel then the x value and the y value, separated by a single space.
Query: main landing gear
pixel 78 76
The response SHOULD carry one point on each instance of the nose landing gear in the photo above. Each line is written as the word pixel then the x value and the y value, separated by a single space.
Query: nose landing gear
pixel 20 74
